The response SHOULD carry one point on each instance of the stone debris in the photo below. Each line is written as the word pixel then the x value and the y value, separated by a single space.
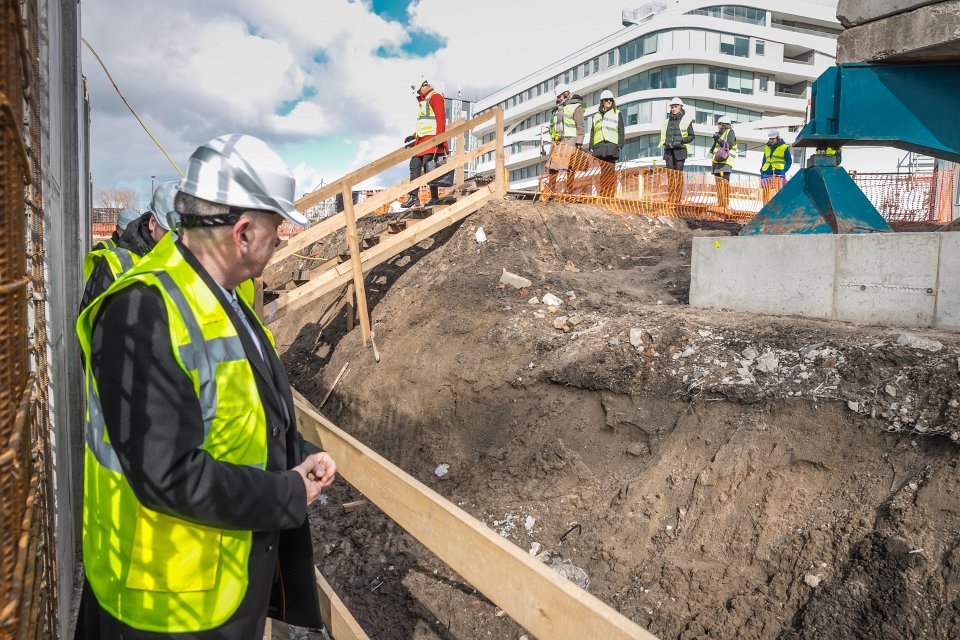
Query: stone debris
pixel 812 581
pixel 919 342
pixel 768 362
pixel 441 470
pixel 749 353
pixel 636 337
pixel 560 324
pixel 515 281
pixel 533 300
pixel 481 235
pixel 534 548
pixel 551 300
pixel 529 522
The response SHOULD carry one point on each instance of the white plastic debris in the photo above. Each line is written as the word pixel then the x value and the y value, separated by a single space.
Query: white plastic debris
pixel 442 470
pixel 481 235
pixel 529 522
pixel 535 548
pixel 551 300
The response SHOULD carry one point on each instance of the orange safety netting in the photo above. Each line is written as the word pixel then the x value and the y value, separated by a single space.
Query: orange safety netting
pixel 902 198
pixel 655 191
pixel 658 191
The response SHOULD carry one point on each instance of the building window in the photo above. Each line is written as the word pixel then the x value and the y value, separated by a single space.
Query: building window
pixel 574 74
pixel 610 58
pixel 732 45
pixel 566 77
pixel 733 12
pixel 596 65
pixel 760 47
pixel 638 48
pixel 764 83
pixel 732 80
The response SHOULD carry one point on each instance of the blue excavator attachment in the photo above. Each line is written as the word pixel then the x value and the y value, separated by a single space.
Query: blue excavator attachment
pixel 911 106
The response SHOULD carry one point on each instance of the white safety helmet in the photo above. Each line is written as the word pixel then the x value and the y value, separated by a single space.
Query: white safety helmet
pixel 561 89
pixel 161 206
pixel 606 94
pixel 725 120
pixel 676 101
pixel 126 216
pixel 773 134
pixel 242 171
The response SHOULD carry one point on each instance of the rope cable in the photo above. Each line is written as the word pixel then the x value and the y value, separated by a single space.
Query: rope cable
pixel 122 97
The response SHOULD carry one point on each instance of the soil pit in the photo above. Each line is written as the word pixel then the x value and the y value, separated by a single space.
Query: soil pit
pixel 708 474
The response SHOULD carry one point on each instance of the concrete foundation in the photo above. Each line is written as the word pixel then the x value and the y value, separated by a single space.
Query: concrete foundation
pixel 852 13
pixel 928 32
pixel 902 279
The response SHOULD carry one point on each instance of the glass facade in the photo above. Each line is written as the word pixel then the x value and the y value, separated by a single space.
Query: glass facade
pixel 737 13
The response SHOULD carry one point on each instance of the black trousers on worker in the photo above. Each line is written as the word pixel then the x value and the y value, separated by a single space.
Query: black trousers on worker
pixel 675 159
pixel 418 167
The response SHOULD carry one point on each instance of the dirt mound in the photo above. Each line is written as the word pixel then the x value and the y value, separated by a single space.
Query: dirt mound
pixel 707 474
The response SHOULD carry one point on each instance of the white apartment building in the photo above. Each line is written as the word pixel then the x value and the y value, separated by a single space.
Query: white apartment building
pixel 752 61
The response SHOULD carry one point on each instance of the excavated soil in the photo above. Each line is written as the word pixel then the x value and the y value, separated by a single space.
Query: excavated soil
pixel 708 474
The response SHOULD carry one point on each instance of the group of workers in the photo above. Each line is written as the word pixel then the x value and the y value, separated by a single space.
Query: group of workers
pixel 567 130
pixel 196 481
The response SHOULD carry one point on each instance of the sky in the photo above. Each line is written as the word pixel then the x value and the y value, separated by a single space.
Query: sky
pixel 325 82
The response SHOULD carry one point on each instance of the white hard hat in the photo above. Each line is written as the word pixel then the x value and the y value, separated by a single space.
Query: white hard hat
pixel 126 216
pixel 606 94
pixel 161 206
pixel 676 101
pixel 773 134
pixel 561 89
pixel 724 120
pixel 242 171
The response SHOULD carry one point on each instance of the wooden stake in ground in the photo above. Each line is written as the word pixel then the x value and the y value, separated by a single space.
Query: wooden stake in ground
pixel 355 262
pixel 334 385
pixel 351 307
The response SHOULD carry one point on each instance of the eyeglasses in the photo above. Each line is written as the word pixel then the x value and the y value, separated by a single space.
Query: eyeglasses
pixel 607 100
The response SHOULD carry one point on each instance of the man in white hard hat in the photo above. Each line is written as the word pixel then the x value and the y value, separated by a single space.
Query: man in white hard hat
pixel 124 217
pixel 723 152
pixel 777 161
pixel 676 138
pixel 567 132
pixel 196 482
pixel 101 267
pixel 607 142
pixel 431 122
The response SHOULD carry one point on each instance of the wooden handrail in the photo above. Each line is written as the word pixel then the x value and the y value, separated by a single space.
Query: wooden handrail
pixel 539 599
pixel 336 222
pixel 395 157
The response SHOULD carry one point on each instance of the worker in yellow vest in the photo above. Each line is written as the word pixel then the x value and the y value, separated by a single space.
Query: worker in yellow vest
pixel 676 140
pixel 723 152
pixel 125 217
pixel 567 132
pixel 196 482
pixel 777 161
pixel 607 142
pixel 431 122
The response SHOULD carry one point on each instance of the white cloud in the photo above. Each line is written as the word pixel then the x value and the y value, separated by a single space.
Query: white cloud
pixel 306 119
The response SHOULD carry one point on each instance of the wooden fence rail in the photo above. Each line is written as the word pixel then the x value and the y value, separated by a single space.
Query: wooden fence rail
pixel 539 599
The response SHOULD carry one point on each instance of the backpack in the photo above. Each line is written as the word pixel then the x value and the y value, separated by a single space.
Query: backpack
pixel 723 151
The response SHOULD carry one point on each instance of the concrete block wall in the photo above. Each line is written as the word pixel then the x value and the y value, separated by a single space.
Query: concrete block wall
pixel 900 279
pixel 898 30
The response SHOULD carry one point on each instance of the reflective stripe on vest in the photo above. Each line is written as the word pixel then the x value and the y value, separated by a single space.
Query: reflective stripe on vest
pixel 149 570
pixel 119 260
pixel 776 159
pixel 426 118
pixel 685 123
pixel 606 127
pixel 568 128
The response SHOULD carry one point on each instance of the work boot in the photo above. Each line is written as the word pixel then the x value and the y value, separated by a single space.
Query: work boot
pixel 412 201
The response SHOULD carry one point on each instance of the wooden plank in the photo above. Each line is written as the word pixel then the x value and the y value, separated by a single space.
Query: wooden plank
pixel 340 275
pixel 500 176
pixel 386 162
pixel 336 222
pixel 539 599
pixel 356 265
pixel 336 617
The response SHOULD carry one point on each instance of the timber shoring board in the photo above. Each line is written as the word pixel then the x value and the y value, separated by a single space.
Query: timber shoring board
pixel 336 222
pixel 340 274
pixel 336 617
pixel 539 599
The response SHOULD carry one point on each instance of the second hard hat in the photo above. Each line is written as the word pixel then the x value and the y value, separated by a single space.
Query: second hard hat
pixel 724 120
pixel 773 134
pixel 126 216
pixel 161 206
pixel 606 94
pixel 242 171
pixel 676 101
pixel 561 89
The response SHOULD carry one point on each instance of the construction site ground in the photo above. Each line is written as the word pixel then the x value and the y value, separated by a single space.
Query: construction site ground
pixel 709 474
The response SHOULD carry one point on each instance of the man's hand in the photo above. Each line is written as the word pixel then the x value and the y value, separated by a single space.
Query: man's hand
pixel 318 471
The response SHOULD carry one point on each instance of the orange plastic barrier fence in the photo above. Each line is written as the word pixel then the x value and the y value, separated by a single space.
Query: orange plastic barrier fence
pixel 654 191
pixel 910 199
pixel 657 191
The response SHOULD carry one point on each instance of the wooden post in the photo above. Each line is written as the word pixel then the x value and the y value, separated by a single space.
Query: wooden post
pixel 258 297
pixel 355 262
pixel 501 180
pixel 458 174
pixel 351 307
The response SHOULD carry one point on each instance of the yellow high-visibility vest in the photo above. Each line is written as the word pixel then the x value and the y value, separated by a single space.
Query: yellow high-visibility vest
pixel 563 125
pixel 120 260
pixel 426 118
pixel 150 570
pixel 775 158
pixel 606 127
